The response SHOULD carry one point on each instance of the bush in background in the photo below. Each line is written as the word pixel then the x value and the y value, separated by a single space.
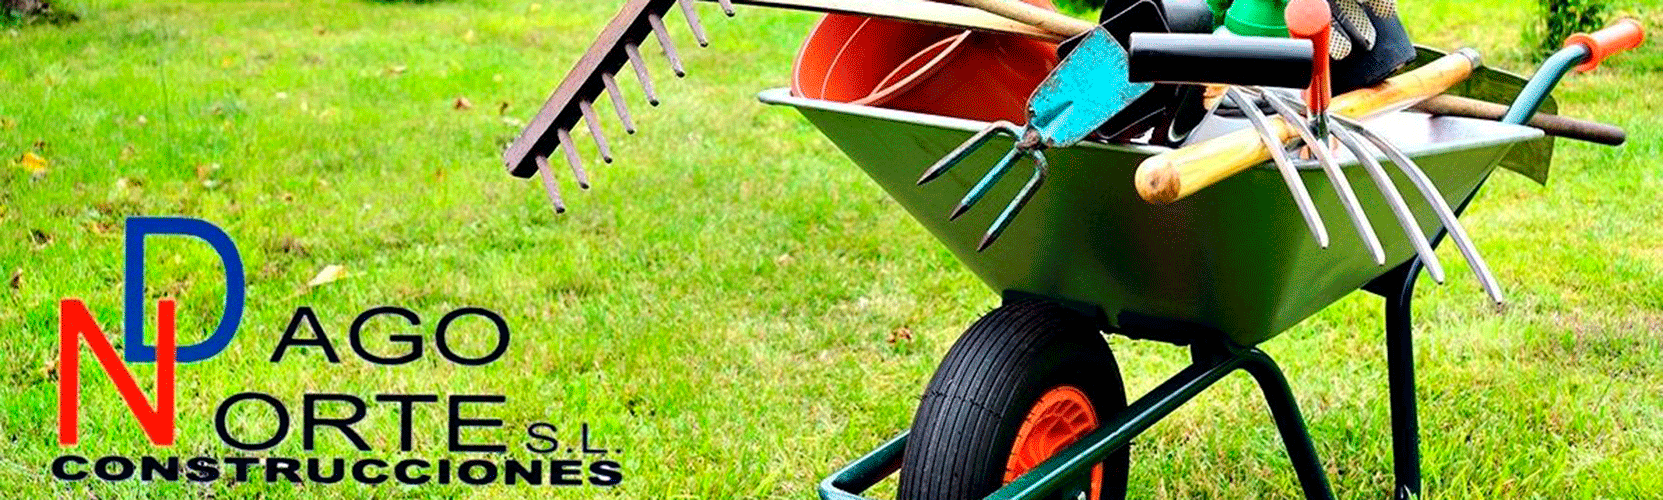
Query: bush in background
pixel 1561 19
pixel 1079 7
pixel 22 12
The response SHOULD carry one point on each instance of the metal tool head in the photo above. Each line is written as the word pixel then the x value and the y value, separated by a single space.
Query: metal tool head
pixel 1088 88
pixel 573 100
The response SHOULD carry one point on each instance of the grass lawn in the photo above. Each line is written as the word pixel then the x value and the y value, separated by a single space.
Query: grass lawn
pixel 725 305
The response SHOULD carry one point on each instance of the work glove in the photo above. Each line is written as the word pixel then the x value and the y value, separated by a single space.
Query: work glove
pixel 1352 26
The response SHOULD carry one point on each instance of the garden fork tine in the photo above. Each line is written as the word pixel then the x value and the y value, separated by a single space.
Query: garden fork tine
pixel 1394 199
pixel 969 146
pixel 1279 156
pixel 1388 190
pixel 1428 190
pixel 1041 168
pixel 1457 232
pixel 1342 185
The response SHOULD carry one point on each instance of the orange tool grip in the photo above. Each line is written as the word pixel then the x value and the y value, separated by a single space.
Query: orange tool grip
pixel 1625 34
pixel 1311 20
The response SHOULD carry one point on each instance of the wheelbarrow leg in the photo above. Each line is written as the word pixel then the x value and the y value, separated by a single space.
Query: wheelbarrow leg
pixel 1285 410
pixel 1400 366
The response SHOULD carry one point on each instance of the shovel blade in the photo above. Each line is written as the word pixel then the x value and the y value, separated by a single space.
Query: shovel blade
pixel 1088 88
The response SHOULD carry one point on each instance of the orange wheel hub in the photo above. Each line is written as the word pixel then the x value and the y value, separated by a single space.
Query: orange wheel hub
pixel 1059 418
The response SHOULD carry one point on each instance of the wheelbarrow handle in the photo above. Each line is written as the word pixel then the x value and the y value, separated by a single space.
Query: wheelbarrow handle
pixel 1554 125
pixel 1582 52
pixel 1173 175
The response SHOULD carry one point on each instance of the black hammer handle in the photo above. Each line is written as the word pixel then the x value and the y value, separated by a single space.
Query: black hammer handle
pixel 1226 59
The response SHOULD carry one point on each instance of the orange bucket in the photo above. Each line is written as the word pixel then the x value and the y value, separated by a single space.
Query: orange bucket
pixel 922 68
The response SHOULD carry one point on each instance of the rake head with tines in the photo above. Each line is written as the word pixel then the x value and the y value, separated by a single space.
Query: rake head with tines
pixel 575 98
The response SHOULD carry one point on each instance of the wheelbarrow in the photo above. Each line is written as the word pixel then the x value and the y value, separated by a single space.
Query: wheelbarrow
pixel 1029 402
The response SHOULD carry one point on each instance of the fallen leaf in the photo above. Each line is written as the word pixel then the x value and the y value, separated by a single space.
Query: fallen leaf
pixel 329 274
pixel 320 31
pixel 203 170
pixel 17 279
pixel 282 95
pixel 142 120
pixel 100 227
pixel 395 70
pixel 125 183
pixel 463 104
pixel 33 163
pixel 900 334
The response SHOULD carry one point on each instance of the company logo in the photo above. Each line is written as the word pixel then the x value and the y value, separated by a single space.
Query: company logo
pixel 560 462
pixel 77 323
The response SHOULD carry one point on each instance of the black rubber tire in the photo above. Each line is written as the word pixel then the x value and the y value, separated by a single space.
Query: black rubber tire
pixel 970 414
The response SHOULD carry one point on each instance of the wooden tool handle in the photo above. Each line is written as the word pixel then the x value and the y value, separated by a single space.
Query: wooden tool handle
pixel 918 11
pixel 1554 125
pixel 1173 175
pixel 1048 20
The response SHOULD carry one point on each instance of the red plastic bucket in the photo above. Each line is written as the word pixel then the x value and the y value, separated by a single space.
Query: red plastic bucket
pixel 922 68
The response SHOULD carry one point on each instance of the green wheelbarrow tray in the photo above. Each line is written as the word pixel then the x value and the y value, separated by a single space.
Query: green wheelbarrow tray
pixel 1234 258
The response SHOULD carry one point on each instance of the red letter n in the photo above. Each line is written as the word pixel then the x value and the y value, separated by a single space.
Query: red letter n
pixel 74 320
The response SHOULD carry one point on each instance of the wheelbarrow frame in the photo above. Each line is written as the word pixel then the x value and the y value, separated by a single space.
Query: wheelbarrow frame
pixel 1214 356
pixel 1210 362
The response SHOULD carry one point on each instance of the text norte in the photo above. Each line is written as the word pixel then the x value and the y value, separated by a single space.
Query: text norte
pixel 579 465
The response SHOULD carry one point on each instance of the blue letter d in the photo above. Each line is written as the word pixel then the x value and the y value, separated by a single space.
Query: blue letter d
pixel 139 227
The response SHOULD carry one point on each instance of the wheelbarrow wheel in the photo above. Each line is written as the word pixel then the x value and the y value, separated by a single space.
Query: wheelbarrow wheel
pixel 1025 381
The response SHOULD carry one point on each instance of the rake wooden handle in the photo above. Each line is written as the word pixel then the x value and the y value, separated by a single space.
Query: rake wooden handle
pixel 1048 20
pixel 921 11
pixel 1173 175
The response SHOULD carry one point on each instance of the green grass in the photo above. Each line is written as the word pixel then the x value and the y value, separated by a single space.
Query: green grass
pixel 719 306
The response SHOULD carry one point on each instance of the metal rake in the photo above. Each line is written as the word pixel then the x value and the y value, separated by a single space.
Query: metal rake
pixel 620 43
pixel 574 100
